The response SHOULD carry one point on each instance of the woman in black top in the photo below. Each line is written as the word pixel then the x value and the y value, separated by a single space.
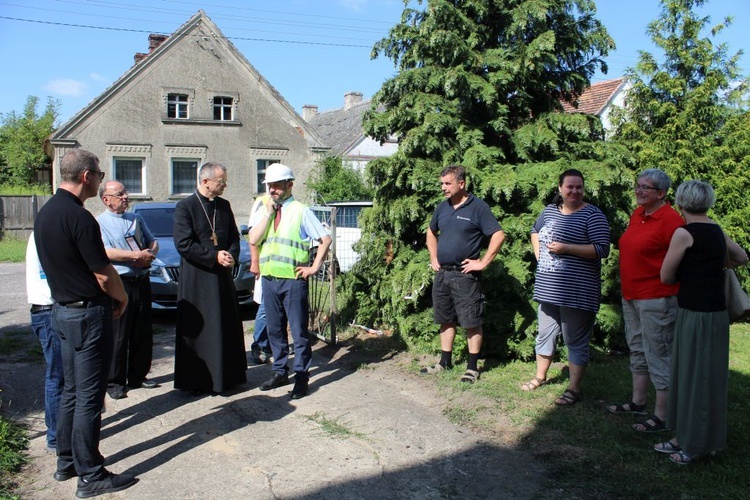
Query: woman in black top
pixel 697 256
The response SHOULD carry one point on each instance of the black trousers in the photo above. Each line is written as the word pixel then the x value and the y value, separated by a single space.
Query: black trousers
pixel 133 337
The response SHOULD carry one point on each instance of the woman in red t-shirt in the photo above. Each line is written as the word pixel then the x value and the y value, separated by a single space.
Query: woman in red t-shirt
pixel 649 306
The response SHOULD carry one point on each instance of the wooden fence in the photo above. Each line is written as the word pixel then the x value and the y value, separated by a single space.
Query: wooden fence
pixel 17 214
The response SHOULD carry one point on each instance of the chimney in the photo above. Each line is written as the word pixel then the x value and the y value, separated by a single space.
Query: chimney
pixel 351 99
pixel 309 111
pixel 154 40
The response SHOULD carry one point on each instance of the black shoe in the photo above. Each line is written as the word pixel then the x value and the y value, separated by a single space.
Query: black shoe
pixel 260 357
pixel 65 474
pixel 300 388
pixel 276 381
pixel 109 483
pixel 117 393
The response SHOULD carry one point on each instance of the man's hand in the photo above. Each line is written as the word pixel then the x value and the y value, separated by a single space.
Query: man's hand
pixel 435 265
pixel 255 269
pixel 224 258
pixel 118 308
pixel 144 258
pixel 305 272
pixel 469 266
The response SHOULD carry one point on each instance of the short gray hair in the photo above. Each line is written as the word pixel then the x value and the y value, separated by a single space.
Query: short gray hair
pixel 207 170
pixel 695 197
pixel 75 162
pixel 657 177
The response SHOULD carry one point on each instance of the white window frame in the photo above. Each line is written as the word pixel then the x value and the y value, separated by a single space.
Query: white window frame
pixel 131 152
pixel 181 102
pixel 185 153
pixel 268 156
pixel 220 103
pixel 142 161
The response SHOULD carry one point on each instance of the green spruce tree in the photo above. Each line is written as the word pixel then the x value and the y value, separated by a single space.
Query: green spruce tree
pixel 480 83
pixel 686 114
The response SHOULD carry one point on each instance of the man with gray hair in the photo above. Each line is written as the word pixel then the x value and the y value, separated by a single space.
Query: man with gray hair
pixel 88 295
pixel 210 350
pixel 132 248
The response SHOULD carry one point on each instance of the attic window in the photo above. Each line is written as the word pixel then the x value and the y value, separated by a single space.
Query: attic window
pixel 177 106
pixel 223 108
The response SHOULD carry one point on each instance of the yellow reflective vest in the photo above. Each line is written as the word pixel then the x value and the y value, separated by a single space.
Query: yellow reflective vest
pixel 283 250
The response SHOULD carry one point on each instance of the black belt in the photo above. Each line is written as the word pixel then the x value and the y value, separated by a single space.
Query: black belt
pixel 36 308
pixel 134 279
pixel 83 304
pixel 451 268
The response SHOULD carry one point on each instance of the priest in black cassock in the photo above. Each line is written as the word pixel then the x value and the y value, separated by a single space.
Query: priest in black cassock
pixel 210 350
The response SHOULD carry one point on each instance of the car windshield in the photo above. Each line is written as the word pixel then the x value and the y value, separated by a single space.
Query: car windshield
pixel 159 220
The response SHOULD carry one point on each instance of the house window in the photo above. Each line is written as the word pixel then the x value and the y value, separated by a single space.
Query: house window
pixel 223 108
pixel 130 172
pixel 184 176
pixel 261 166
pixel 177 106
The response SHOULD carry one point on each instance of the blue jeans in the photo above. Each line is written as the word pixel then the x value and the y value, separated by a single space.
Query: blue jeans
pixel 41 324
pixel 260 331
pixel 86 335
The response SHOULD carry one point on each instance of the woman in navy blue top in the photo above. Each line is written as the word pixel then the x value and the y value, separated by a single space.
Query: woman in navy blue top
pixel 570 238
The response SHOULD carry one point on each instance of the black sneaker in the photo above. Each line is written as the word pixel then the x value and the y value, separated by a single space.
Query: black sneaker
pixel 108 483
pixel 65 474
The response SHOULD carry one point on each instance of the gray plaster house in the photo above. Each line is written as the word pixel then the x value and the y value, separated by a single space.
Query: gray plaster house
pixel 192 98
pixel 341 129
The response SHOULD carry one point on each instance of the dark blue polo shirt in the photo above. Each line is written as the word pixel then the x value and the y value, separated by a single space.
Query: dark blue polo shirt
pixel 461 231
pixel 69 243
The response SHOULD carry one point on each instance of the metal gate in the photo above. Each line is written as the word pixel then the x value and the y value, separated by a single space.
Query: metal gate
pixel 322 289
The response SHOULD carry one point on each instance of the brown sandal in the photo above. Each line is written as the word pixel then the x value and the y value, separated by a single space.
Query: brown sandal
pixel 533 384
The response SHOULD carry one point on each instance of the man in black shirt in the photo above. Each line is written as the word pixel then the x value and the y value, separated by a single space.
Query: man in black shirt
pixel 463 222
pixel 88 294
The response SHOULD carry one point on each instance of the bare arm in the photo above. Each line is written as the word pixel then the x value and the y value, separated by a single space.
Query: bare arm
pixel 258 231
pixel 432 244
pixel 255 260
pixel 142 258
pixel 736 256
pixel 307 271
pixel 587 251
pixel 535 244
pixel 496 242
pixel 681 241
pixel 111 284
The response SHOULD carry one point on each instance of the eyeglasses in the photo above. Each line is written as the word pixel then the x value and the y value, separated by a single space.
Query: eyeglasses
pixel 220 182
pixel 121 194
pixel 101 174
pixel 642 187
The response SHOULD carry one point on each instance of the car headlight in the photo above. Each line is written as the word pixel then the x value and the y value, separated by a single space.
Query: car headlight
pixel 158 270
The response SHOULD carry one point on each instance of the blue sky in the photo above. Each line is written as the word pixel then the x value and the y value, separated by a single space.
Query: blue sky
pixel 312 51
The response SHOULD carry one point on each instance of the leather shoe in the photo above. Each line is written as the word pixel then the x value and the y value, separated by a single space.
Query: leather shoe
pixel 109 483
pixel 277 380
pixel 300 388
pixel 65 474
pixel 149 384
pixel 118 394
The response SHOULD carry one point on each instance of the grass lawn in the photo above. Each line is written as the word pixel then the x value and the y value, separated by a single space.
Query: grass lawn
pixel 590 453
pixel 12 249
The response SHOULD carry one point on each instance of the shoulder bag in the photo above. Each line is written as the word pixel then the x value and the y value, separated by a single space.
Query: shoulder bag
pixel 738 303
